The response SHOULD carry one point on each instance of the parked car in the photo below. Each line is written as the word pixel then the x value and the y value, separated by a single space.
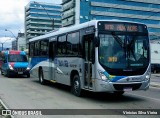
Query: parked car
pixel 14 62
pixel 155 68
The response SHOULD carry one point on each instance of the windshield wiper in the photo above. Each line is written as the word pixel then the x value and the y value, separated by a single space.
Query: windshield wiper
pixel 127 47
pixel 130 47
pixel 119 40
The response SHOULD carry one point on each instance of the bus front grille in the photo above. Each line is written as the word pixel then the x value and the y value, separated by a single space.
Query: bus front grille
pixel 121 87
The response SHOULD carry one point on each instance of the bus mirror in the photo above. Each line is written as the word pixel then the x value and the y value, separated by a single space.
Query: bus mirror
pixel 96 41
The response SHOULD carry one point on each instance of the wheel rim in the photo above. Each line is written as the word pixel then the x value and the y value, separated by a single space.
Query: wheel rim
pixel 76 86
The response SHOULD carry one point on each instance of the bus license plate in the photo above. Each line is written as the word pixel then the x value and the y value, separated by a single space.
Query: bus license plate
pixel 20 72
pixel 127 89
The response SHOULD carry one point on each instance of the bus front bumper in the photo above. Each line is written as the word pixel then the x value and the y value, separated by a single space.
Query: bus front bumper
pixel 103 86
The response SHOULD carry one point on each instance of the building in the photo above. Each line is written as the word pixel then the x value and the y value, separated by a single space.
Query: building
pixel 21 42
pixel 14 45
pixel 41 18
pixel 143 11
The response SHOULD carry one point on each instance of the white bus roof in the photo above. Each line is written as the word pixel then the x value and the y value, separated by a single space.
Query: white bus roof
pixel 74 28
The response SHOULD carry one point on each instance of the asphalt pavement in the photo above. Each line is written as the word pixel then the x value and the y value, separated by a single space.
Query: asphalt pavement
pixel 155 80
pixel 24 93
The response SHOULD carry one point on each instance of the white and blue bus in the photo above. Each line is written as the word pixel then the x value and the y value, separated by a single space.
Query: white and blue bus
pixel 99 56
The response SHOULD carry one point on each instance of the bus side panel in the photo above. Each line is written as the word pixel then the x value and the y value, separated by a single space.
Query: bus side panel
pixel 45 67
pixel 36 63
pixel 64 67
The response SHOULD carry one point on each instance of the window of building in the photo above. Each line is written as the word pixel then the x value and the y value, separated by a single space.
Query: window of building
pixel 81 16
pixel 73 43
pixel 86 17
pixel 61 45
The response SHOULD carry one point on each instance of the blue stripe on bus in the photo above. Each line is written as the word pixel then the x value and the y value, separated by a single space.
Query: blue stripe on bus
pixel 116 78
pixel 113 78
pixel 36 60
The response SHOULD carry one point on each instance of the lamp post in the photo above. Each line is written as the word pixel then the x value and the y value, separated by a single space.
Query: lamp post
pixel 14 37
pixel 3 43
pixel 52 20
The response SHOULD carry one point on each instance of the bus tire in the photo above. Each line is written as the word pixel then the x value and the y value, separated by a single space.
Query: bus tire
pixel 41 77
pixel 76 86
pixel 118 93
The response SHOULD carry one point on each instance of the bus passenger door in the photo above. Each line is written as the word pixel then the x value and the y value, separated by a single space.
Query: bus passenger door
pixel 51 61
pixel 88 45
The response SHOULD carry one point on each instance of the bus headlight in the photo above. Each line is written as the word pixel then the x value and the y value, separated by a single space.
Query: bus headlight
pixel 103 76
pixel 147 77
pixel 10 67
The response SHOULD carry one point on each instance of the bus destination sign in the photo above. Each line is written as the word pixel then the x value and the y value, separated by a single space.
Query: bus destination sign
pixel 122 27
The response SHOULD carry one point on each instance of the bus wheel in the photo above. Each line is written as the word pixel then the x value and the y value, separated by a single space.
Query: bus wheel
pixel 41 77
pixel 118 93
pixel 76 86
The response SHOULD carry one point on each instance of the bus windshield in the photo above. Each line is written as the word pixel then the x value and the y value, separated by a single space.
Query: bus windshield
pixel 124 53
pixel 17 58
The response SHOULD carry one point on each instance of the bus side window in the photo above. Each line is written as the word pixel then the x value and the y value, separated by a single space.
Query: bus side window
pixel 52 49
pixel 61 45
pixel 44 48
pixel 37 48
pixel 31 51
pixel 73 44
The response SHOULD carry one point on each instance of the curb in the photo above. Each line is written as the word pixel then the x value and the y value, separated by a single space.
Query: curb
pixel 155 84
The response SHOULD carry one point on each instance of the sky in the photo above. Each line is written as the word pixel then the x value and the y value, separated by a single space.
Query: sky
pixel 12 18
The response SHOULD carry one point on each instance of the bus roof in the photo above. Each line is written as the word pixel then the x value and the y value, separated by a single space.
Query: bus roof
pixel 74 28
pixel 65 30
